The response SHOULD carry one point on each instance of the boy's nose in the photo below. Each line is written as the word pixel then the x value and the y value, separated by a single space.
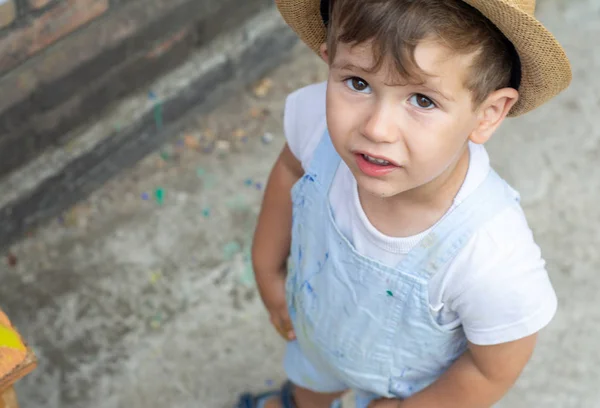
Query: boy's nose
pixel 380 125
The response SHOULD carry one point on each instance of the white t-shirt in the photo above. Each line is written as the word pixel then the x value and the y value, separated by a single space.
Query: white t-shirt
pixel 497 287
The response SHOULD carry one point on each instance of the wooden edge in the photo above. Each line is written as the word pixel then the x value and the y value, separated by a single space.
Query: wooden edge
pixel 20 371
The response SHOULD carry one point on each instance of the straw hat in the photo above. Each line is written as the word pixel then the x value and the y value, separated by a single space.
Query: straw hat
pixel 545 69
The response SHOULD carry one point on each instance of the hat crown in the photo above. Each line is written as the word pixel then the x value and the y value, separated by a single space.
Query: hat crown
pixel 528 6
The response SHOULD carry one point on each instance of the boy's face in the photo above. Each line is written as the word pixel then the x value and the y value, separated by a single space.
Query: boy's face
pixel 400 138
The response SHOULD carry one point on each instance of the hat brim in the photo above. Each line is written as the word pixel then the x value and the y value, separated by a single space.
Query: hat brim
pixel 545 68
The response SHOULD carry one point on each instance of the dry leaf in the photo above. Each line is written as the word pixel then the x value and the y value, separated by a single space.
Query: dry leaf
pixel 191 142
pixel 263 87
pixel 256 113
pixel 239 133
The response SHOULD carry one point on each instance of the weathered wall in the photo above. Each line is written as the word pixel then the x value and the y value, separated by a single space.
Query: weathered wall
pixel 63 61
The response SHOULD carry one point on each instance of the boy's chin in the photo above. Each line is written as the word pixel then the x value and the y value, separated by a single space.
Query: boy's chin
pixel 379 188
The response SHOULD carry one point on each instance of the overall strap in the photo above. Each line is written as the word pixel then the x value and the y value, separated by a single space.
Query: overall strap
pixel 324 164
pixel 453 232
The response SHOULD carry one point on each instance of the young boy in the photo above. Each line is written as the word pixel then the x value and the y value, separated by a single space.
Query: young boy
pixel 413 277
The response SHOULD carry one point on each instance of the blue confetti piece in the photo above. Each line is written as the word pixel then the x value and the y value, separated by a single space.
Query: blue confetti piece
pixel 248 182
pixel 151 95
pixel 145 197
pixel 259 186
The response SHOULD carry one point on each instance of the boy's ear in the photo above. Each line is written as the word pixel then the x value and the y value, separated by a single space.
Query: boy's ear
pixel 324 53
pixel 492 112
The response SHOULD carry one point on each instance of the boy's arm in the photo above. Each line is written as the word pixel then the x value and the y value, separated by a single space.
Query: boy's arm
pixel 478 379
pixel 272 239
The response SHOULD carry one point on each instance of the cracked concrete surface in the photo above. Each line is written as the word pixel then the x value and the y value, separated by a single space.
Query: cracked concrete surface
pixel 130 303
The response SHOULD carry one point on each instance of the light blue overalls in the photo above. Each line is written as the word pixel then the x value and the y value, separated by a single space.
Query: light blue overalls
pixel 361 324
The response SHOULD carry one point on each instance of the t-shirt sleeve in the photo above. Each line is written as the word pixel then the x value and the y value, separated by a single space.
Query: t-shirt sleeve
pixel 510 295
pixel 304 121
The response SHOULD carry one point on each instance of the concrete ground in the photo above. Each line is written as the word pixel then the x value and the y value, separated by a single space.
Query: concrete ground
pixel 142 296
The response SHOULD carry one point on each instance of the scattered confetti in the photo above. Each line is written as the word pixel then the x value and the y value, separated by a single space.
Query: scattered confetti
pixel 11 259
pixel 200 172
pixel 151 95
pixel 145 196
pixel 158 115
pixel 155 277
pixel 159 194
pixel 71 146
pixel 230 250
pixel 72 218
pixel 269 383
pixel 263 87
pixel 267 138
pixel 209 181
pixel 247 277
pixel 258 186
pixel 248 182
pixel 206 212
pixel 237 203
pixel 156 321
pixel 389 292
pixel 164 155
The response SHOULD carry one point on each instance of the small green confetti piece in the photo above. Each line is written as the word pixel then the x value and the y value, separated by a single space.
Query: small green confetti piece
pixel 159 194
pixel 230 250
pixel 164 156
pixel 206 212
pixel 209 181
pixel 389 292
pixel 200 172
pixel 247 278
pixel 158 115
pixel 155 277
pixel 237 203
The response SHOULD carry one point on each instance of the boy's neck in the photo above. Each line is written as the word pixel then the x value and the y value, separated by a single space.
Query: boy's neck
pixel 416 210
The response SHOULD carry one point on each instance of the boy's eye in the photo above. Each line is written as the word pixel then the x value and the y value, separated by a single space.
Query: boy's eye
pixel 358 84
pixel 421 101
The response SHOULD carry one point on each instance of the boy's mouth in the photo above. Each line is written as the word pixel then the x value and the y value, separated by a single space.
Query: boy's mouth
pixel 375 160
pixel 374 166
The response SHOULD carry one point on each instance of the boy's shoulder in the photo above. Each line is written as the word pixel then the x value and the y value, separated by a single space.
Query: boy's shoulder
pixel 503 241
pixel 505 236
pixel 304 120
pixel 498 283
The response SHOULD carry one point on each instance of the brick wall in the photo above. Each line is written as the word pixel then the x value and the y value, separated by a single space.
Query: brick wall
pixel 63 61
